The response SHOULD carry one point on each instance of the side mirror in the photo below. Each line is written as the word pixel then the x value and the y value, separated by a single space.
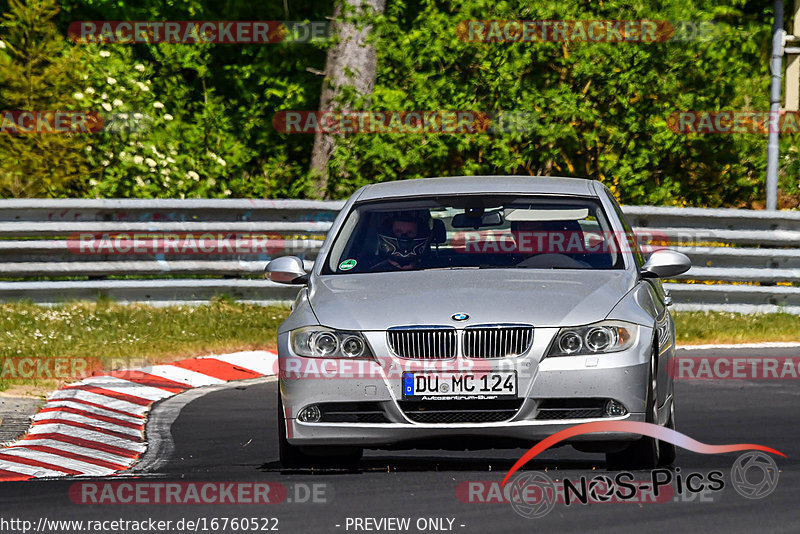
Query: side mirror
pixel 665 264
pixel 287 270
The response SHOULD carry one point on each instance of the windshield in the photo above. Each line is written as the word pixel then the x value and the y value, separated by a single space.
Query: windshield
pixel 463 232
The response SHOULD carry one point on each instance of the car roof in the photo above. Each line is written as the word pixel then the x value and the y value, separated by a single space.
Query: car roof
pixel 479 184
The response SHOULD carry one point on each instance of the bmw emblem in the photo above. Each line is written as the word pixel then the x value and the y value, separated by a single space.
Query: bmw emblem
pixel 460 317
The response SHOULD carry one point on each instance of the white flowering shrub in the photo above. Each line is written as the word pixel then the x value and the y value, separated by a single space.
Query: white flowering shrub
pixel 202 113
pixel 148 148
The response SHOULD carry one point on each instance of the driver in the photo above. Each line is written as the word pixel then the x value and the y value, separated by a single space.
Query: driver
pixel 402 242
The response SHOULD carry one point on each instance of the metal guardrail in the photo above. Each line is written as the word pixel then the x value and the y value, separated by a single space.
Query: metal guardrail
pixel 743 260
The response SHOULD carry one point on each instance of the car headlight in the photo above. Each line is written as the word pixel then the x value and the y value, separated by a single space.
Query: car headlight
pixel 321 342
pixel 598 338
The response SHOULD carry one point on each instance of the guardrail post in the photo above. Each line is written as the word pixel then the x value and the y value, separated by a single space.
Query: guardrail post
pixel 776 66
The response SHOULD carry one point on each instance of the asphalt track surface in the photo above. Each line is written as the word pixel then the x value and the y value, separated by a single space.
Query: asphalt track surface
pixel 229 435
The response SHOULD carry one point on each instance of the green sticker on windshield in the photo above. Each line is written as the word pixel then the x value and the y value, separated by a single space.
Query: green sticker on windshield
pixel 346 265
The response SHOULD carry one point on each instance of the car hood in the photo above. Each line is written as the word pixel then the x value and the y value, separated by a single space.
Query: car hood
pixel 377 301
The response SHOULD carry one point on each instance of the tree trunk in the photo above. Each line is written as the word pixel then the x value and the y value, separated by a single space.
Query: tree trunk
pixel 351 62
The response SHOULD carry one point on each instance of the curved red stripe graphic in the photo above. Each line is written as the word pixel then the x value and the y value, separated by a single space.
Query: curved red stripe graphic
pixel 645 429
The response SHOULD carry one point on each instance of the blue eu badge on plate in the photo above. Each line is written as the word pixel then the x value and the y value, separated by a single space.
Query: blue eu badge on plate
pixel 408 383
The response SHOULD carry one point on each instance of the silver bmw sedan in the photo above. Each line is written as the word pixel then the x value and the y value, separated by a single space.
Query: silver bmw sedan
pixel 476 312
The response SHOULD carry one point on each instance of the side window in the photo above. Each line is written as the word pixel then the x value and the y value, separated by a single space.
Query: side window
pixel 629 235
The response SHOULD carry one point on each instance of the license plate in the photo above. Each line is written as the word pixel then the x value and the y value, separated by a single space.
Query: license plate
pixel 489 384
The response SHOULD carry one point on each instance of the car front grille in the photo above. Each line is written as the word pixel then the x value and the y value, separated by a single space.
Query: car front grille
pixel 425 343
pixel 552 409
pixel 497 341
pixel 462 411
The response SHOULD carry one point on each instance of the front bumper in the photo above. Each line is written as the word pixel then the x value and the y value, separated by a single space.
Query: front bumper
pixel 620 376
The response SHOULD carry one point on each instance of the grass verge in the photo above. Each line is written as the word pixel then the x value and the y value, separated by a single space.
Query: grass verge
pixel 101 335
pixel 696 328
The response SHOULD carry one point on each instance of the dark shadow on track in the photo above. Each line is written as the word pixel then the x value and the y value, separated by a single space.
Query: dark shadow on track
pixel 406 464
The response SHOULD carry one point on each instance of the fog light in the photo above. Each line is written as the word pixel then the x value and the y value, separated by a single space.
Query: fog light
pixel 310 414
pixel 615 409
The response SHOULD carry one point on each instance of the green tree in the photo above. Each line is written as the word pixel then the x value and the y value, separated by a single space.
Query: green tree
pixel 38 71
pixel 600 109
